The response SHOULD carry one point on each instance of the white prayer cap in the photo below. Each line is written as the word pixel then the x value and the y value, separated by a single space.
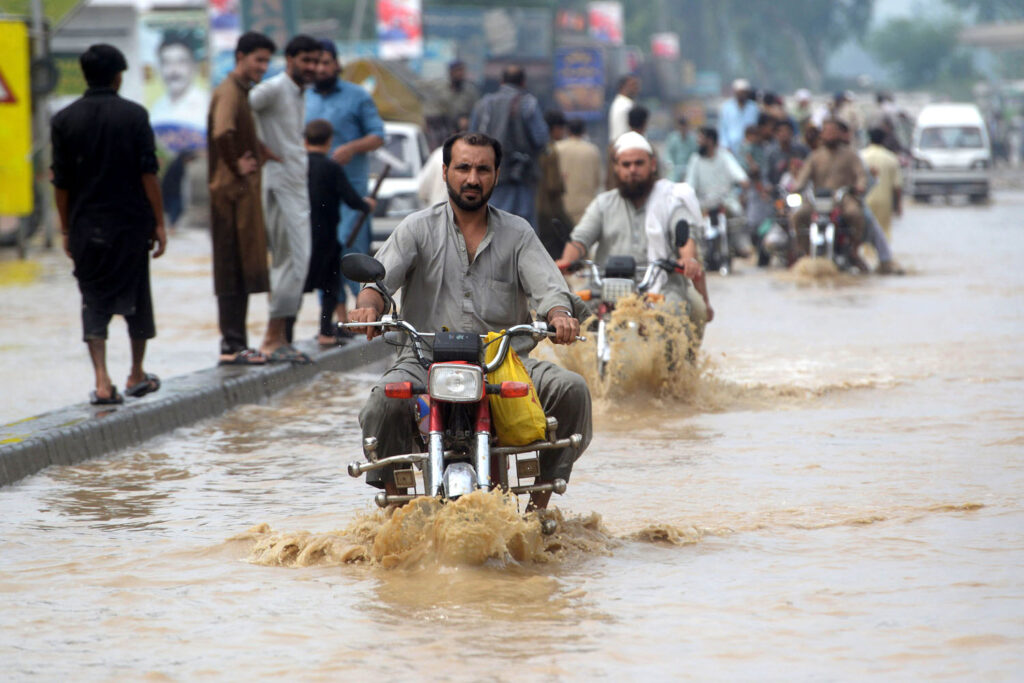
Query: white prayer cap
pixel 632 140
pixel 741 84
pixel 802 95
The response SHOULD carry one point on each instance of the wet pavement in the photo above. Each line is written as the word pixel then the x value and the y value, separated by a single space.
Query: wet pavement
pixel 838 495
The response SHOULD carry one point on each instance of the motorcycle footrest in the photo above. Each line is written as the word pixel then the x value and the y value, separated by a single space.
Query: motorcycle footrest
pixel 383 499
pixel 557 486
pixel 357 468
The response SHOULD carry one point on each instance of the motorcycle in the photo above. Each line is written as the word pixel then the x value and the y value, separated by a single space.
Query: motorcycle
pixel 462 453
pixel 778 242
pixel 605 291
pixel 829 235
pixel 715 241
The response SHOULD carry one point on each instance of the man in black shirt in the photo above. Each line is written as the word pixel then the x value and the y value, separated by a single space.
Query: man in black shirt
pixel 111 214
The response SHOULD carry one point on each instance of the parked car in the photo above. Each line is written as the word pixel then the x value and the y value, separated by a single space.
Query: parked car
pixel 951 153
pixel 405 149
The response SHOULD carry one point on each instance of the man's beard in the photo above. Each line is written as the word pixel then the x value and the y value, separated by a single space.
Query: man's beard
pixel 323 85
pixel 637 189
pixel 833 144
pixel 466 205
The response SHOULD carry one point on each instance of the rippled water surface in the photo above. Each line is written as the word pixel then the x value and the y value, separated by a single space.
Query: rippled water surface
pixel 837 495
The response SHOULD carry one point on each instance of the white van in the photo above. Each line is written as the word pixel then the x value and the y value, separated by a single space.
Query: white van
pixel 951 152
pixel 405 150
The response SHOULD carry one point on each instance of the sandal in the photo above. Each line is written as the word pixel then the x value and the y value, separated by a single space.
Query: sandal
pixel 289 354
pixel 147 386
pixel 114 398
pixel 244 357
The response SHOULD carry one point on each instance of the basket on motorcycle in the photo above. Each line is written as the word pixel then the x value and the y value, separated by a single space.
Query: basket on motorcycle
pixel 517 421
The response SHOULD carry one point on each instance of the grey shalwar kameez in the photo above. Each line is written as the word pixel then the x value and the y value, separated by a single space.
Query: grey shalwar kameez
pixel 426 258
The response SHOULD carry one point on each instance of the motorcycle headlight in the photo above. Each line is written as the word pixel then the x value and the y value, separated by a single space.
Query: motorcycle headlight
pixel 794 200
pixel 455 382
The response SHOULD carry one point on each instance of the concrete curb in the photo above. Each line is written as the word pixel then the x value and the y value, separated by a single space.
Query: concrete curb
pixel 84 431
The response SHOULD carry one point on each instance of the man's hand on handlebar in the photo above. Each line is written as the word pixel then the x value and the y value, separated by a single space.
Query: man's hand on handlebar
pixel 565 327
pixel 365 315
pixel 369 306
pixel 691 267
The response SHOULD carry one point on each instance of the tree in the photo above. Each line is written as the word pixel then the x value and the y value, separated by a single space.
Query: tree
pixel 923 54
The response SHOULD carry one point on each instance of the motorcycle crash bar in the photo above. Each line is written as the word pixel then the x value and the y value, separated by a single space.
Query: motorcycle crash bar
pixel 557 486
pixel 574 442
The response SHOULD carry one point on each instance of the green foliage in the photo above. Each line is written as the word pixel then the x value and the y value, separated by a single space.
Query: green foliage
pixel 923 54
pixel 990 11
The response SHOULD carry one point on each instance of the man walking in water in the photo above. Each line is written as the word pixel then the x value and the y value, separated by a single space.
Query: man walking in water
pixel 111 214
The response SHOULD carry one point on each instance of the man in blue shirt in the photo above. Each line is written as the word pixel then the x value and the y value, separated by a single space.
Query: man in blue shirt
pixel 358 130
pixel 736 114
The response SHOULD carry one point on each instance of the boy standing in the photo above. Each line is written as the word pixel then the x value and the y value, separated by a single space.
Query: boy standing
pixel 328 187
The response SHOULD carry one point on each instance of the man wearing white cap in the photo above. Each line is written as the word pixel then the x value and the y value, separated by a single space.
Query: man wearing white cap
pixel 621 222
pixel 736 114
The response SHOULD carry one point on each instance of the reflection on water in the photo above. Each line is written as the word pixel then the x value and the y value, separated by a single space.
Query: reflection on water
pixel 838 476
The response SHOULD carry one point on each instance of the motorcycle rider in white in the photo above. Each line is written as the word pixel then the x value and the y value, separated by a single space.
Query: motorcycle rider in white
pixel 620 222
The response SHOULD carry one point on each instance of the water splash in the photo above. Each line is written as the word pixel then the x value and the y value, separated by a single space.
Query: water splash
pixel 478 528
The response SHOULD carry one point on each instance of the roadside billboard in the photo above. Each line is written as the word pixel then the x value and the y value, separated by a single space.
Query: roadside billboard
pixel 15 121
pixel 175 77
pixel 579 82
pixel 400 28
pixel 606 22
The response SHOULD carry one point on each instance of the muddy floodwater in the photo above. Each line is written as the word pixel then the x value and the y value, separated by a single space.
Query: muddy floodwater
pixel 838 495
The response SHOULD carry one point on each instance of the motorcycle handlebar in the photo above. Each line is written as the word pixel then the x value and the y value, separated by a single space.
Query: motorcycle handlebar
pixel 537 330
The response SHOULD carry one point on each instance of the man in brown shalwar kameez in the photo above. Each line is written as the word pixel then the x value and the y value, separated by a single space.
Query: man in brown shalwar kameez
pixel 239 236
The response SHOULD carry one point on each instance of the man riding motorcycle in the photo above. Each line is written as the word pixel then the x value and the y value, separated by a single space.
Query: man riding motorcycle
pixel 464 265
pixel 833 165
pixel 714 173
pixel 617 222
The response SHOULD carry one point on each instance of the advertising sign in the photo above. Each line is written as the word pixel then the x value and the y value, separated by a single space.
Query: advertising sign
pixel 225 30
pixel 400 28
pixel 605 19
pixel 15 121
pixel 176 86
pixel 579 82
pixel 665 45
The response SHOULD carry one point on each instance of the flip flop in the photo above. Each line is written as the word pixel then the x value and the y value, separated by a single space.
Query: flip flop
pixel 114 398
pixel 289 354
pixel 146 386
pixel 245 357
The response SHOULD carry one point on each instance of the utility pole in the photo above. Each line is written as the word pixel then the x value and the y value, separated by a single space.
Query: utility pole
pixel 356 29
pixel 40 120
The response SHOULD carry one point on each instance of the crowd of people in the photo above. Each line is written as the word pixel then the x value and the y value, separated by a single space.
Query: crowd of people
pixel 514 195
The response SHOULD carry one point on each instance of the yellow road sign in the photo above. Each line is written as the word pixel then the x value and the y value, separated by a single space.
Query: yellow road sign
pixel 15 121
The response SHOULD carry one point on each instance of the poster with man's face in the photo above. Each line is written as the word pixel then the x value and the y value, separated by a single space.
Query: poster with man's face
pixel 176 85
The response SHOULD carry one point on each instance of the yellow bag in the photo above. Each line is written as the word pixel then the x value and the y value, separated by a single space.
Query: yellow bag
pixel 517 421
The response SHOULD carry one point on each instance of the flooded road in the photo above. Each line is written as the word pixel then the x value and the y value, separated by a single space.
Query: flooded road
pixel 839 496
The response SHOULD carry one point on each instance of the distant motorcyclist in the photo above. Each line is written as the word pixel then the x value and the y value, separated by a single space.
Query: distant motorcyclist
pixel 714 174
pixel 616 222
pixel 832 166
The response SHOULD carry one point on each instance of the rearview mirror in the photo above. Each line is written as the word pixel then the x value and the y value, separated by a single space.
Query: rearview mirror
pixel 362 268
